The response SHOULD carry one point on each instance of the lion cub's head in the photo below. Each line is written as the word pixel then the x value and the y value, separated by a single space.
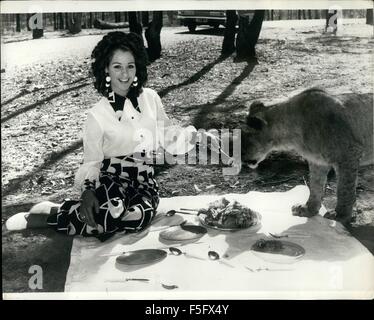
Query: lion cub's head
pixel 255 137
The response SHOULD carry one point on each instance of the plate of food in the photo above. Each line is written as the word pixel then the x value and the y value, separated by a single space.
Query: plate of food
pixel 183 232
pixel 144 256
pixel 277 251
pixel 226 215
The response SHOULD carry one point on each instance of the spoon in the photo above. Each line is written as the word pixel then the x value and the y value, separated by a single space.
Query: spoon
pixel 170 213
pixel 176 252
pixel 213 255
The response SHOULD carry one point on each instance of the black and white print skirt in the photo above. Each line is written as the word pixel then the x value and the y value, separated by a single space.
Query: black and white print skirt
pixel 128 199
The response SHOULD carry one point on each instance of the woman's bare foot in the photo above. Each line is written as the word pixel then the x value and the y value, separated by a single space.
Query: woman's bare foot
pixel 35 218
pixel 17 222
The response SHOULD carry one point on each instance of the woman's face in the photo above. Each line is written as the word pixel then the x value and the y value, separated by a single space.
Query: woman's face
pixel 122 70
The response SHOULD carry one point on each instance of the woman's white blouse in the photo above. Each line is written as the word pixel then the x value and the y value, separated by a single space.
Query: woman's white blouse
pixel 106 136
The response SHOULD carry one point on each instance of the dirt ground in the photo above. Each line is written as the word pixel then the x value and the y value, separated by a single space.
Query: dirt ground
pixel 44 107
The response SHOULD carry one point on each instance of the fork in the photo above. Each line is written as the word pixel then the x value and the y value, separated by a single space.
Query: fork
pixel 279 236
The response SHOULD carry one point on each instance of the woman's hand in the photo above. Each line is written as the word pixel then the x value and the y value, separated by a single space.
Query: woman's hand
pixel 89 205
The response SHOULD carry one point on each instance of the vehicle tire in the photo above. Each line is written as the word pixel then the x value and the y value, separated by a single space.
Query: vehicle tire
pixel 192 26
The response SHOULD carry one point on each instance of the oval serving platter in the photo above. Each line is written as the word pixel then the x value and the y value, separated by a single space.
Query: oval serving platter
pixel 253 228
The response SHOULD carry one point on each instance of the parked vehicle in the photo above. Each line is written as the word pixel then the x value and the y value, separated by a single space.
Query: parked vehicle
pixel 194 18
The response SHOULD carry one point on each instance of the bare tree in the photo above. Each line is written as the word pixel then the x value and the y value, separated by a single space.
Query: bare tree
pixel 18 22
pixel 55 21
pixel 153 36
pixel 28 16
pixel 74 22
pixel 369 16
pixel 248 34
pixel 134 24
pixel 61 21
pixel 145 18
pixel 117 17
pixel 228 44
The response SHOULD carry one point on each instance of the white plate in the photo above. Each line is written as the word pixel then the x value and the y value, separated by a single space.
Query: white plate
pixel 183 233
pixel 144 256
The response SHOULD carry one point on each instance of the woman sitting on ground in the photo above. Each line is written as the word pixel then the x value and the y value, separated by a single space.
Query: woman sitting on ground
pixel 121 133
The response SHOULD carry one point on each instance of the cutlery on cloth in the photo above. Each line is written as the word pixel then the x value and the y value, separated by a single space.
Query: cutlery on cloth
pixel 296 235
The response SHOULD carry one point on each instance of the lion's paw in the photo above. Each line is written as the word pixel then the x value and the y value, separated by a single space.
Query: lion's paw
pixel 343 219
pixel 301 210
pixel 330 215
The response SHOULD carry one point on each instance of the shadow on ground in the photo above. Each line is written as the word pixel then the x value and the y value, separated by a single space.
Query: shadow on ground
pixel 30 248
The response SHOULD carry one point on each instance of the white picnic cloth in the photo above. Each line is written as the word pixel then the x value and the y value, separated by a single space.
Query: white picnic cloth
pixel 335 264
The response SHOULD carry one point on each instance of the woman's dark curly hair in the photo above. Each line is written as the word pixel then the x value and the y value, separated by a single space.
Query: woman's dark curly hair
pixel 103 53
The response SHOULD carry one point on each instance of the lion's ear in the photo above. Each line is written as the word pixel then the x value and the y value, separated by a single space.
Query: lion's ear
pixel 256 123
pixel 256 107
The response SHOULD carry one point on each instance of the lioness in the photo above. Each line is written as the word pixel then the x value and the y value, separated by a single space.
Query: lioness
pixel 327 130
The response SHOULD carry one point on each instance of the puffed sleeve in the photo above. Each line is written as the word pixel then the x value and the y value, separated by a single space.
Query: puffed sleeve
pixel 173 138
pixel 88 174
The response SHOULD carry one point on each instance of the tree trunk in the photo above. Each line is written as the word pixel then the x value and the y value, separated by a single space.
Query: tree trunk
pixel 27 21
pixel 134 25
pixel 170 17
pixel 75 23
pixel 84 20
pixel 145 19
pixel 55 21
pixel 61 21
pixel 152 35
pixel 18 22
pixel 248 35
pixel 369 16
pixel 117 17
pixel 228 44
pixel 90 20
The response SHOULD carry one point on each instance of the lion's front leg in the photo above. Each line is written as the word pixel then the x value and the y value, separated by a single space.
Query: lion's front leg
pixel 317 177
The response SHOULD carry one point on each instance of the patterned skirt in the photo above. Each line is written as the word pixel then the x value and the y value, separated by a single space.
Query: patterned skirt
pixel 128 199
